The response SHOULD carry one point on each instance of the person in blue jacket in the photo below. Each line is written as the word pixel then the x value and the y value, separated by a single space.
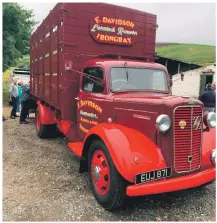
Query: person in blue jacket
pixel 19 97
pixel 208 98
pixel 25 103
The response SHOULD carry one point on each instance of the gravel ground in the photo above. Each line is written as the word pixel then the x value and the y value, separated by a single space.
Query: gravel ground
pixel 41 182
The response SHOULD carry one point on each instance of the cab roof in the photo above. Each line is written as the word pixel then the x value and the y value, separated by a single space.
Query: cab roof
pixel 107 63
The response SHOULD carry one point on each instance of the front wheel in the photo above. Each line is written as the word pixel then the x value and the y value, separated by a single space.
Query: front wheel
pixel 106 183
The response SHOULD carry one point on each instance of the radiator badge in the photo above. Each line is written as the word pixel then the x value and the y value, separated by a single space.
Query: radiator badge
pixel 197 122
pixel 182 124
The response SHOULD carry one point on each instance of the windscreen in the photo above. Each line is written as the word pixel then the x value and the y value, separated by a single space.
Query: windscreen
pixel 138 79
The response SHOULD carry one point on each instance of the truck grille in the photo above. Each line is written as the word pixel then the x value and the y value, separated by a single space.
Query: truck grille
pixel 188 124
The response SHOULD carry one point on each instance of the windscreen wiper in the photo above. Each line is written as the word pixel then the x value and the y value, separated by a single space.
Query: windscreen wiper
pixel 126 69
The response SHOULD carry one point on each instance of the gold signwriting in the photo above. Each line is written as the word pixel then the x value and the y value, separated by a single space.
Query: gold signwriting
pixel 113 30
pixel 90 104
pixel 88 121
pixel 83 129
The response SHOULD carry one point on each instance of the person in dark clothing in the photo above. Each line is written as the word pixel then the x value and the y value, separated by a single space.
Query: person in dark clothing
pixel 13 90
pixel 19 97
pixel 24 103
pixel 208 87
pixel 214 86
pixel 208 98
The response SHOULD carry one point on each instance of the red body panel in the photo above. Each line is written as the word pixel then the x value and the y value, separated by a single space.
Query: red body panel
pixel 208 144
pixel 64 126
pixel 125 145
pixel 76 147
pixel 174 184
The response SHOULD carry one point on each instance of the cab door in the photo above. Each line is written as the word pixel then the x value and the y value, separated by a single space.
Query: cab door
pixel 90 100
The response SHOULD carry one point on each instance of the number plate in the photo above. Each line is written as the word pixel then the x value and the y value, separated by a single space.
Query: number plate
pixel 153 175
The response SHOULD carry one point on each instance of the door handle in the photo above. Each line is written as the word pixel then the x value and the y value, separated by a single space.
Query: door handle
pixel 77 98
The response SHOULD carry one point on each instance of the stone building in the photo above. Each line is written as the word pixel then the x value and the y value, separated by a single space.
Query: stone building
pixel 194 81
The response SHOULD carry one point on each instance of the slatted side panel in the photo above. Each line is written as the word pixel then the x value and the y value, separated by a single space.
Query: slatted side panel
pixel 44 57
pixel 68 26
pixel 76 29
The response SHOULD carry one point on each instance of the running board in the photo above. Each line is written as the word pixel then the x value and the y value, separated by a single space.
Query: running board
pixel 76 147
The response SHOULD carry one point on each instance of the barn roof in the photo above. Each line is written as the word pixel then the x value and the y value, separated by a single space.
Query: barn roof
pixel 201 55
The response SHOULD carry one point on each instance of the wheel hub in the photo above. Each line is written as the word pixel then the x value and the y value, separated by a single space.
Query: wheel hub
pixel 96 172
pixel 100 172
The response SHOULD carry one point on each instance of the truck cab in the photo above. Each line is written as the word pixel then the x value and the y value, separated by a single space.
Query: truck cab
pixel 128 92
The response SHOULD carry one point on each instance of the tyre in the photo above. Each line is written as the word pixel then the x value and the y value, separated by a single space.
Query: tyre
pixel 108 187
pixel 44 131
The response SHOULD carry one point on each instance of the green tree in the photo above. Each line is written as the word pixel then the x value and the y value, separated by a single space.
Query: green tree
pixel 18 24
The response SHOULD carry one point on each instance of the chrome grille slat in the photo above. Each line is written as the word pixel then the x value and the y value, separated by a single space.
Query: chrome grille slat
pixel 187 141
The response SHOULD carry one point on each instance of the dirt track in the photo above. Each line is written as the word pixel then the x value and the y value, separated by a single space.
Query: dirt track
pixel 41 182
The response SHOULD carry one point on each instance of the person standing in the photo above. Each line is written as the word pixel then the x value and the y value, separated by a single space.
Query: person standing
pixel 13 90
pixel 214 86
pixel 19 97
pixel 24 103
pixel 214 89
pixel 208 98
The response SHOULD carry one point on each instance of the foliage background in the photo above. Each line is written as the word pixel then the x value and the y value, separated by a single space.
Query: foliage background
pixel 18 24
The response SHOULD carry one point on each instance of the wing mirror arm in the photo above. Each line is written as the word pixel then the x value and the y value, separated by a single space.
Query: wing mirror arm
pixel 182 79
pixel 102 82
pixel 171 82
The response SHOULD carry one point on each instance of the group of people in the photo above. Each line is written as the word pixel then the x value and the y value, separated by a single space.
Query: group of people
pixel 20 99
pixel 208 97
pixel 20 95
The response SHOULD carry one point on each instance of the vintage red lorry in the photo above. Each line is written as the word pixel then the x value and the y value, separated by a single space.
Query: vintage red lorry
pixel 94 79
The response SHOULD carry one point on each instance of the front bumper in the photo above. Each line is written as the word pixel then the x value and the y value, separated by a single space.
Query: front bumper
pixel 172 184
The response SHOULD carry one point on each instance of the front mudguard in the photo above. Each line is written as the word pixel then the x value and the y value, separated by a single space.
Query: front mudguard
pixel 131 151
pixel 208 144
